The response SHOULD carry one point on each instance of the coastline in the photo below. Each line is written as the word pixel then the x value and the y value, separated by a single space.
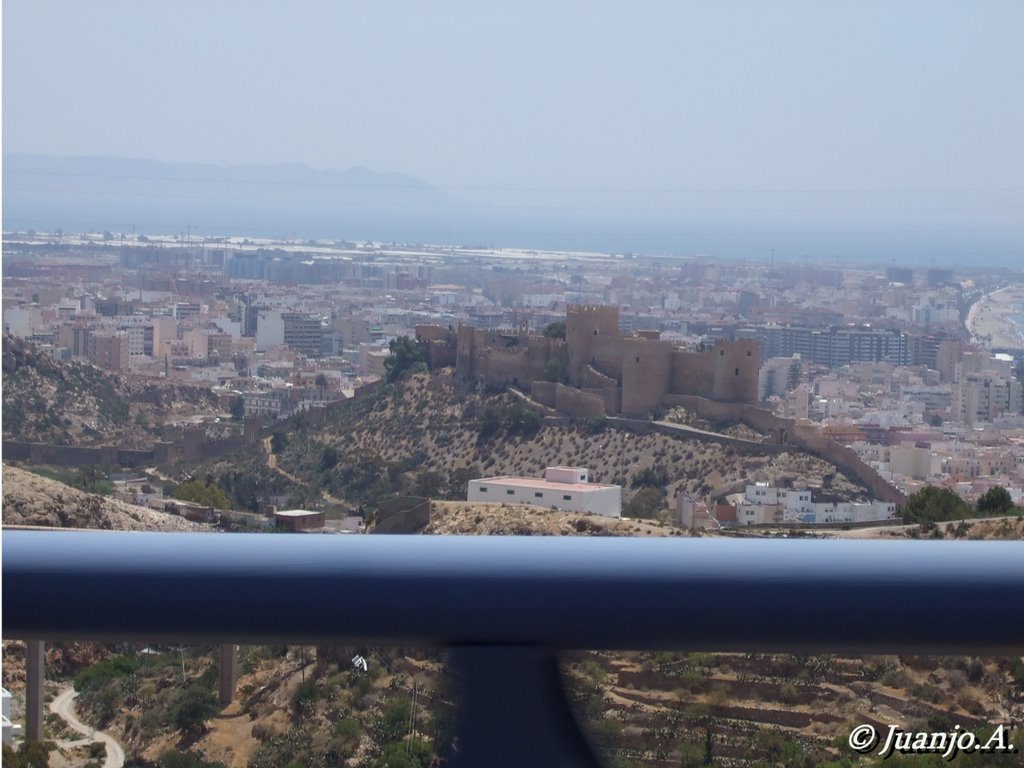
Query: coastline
pixel 990 320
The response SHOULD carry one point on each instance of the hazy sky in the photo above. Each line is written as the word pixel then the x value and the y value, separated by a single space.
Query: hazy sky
pixel 857 116
pixel 737 95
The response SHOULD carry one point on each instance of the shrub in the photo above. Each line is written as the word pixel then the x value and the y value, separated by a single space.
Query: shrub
pixel 192 708
pixel 647 503
pixel 404 355
pixel 98 675
pixel 934 504
pixel 995 501
pixel 490 422
pixel 394 723
pixel 328 458
pixel 305 696
pixel 206 494
pixel 278 442
pixel 651 477
pixel 555 330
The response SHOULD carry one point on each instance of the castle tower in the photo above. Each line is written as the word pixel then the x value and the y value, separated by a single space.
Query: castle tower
pixel 582 324
pixel 737 364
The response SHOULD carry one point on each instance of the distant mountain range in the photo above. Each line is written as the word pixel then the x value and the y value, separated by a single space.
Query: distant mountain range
pixel 116 194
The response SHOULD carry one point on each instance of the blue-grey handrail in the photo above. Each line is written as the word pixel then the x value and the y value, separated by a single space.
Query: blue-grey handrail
pixel 597 593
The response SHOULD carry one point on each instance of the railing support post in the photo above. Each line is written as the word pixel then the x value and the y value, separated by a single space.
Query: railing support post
pixel 513 710
pixel 228 673
pixel 35 678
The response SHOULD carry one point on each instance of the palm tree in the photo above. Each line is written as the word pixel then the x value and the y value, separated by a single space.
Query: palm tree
pixel 321 382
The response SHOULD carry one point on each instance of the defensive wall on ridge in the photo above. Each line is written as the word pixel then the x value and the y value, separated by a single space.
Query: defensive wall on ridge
pixel 787 432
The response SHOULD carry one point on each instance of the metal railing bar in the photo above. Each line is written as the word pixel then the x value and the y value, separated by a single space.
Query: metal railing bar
pixel 558 593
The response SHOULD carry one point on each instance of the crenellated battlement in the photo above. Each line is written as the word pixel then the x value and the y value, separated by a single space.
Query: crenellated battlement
pixel 633 373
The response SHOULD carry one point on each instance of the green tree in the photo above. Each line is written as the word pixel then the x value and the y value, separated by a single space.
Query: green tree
pixel 428 484
pixel 646 503
pixel 321 383
pixel 89 478
pixel 192 708
pixel 394 723
pixel 404 754
pixel 651 477
pixel 995 501
pixel 934 504
pixel 30 754
pixel 278 442
pixel 553 370
pixel 206 494
pixel 555 330
pixel 523 419
pixel 458 480
pixel 404 354
pixel 490 422
pixel 237 408
pixel 328 458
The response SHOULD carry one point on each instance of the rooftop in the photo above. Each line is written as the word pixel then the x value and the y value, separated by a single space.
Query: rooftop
pixel 532 482
pixel 297 513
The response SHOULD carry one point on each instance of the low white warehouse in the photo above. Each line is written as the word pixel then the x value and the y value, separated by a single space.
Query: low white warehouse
pixel 567 488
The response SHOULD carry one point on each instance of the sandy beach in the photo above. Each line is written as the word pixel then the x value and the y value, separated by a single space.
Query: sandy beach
pixel 989 319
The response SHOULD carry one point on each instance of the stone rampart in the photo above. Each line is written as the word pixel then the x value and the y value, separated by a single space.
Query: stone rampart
pixel 403 515
pixel 574 402
pixel 543 392
pixel 787 431
pixel 75 455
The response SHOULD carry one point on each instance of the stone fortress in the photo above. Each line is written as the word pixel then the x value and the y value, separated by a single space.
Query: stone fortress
pixel 596 370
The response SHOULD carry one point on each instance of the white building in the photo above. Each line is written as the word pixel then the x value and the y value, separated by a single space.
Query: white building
pixel 10 730
pixel 567 488
pixel 269 330
pixel 764 504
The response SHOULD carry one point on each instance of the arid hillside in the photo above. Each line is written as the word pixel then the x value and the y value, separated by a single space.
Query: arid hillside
pixel 462 518
pixel 424 437
pixel 29 499
pixel 73 403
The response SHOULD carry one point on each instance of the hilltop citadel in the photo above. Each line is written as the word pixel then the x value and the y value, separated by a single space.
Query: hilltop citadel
pixel 597 370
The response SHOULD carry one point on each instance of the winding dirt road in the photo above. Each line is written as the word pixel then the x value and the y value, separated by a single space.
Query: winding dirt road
pixel 64 706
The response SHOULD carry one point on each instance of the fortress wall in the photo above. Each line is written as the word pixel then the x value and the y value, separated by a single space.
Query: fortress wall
pixel 610 396
pixel 593 378
pixel 737 364
pixel 543 392
pixel 646 374
pixel 441 354
pixel 403 515
pixel 574 402
pixel 606 356
pixel 693 372
pixel 464 350
pixel 76 455
pixel 505 366
pixel 803 436
pixel 427 333
pixel 61 455
pixel 642 426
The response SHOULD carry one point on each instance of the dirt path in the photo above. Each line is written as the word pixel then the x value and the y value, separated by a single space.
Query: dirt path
pixel 272 465
pixel 64 707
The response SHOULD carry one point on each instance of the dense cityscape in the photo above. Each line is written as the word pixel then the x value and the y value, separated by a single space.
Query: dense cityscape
pixel 394 385
pixel 916 370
